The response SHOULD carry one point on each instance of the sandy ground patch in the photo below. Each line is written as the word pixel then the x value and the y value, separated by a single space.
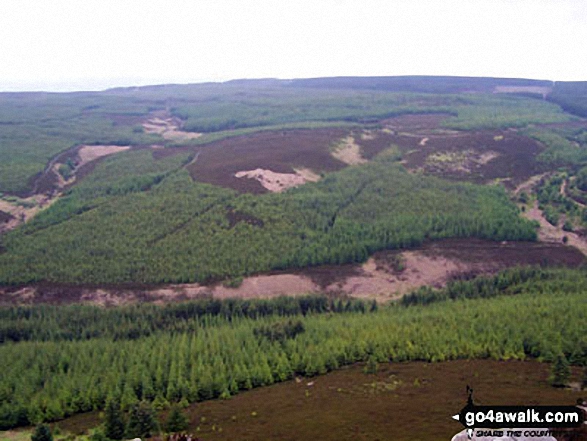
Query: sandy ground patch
pixel 278 182
pixel 380 278
pixel 307 174
pixel 381 284
pixel 485 157
pixel 169 128
pixel 349 152
pixel 61 181
pixel 269 286
pixel 367 135
pixel 550 233
pixel 22 213
pixel 84 154
pixel 23 210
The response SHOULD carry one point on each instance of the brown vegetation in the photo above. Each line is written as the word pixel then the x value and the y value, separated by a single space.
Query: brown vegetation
pixel 479 157
pixel 386 275
pixel 281 152
pixel 403 401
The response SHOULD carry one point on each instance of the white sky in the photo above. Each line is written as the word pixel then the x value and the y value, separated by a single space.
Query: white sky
pixel 95 44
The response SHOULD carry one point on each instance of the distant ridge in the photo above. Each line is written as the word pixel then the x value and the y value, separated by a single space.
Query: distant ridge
pixel 420 83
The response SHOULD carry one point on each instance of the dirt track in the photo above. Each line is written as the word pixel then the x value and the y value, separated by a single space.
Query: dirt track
pixel 50 184
pixel 548 233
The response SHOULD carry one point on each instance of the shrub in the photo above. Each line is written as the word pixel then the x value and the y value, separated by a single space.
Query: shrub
pixel 142 422
pixel 176 421
pixel 42 433
pixel 560 371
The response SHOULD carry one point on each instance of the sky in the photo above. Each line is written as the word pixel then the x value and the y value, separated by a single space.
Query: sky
pixel 65 45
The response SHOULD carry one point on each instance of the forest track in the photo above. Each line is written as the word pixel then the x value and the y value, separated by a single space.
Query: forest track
pixel 548 233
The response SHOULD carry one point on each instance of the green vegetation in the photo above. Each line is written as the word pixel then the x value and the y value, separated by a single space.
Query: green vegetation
pixel 114 422
pixel 151 223
pixel 42 433
pixel 542 316
pixel 501 112
pixel 561 372
pixel 81 322
pixel 561 146
pixel 571 96
pixel 138 217
pixel 556 203
pixel 142 421
pixel 35 127
pixel 176 421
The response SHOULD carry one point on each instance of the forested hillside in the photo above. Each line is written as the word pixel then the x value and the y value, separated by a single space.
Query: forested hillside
pixel 197 187
pixel 35 127
pixel 153 224
pixel 138 217
pixel 198 353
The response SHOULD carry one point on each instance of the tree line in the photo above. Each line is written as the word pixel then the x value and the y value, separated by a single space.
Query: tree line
pixel 107 231
pixel 216 357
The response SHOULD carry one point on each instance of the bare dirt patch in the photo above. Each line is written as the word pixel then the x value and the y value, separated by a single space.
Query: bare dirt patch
pixel 386 275
pixel 307 174
pixel 51 183
pixel 381 284
pixel 437 263
pixel 287 152
pixel 268 286
pixel 367 135
pixel 278 182
pixel 349 152
pixel 22 210
pixel 168 127
pixel 551 234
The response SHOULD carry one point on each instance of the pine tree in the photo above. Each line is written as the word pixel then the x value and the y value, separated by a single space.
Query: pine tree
pixel 42 433
pixel 371 367
pixel 141 422
pixel 114 424
pixel 560 371
pixel 176 421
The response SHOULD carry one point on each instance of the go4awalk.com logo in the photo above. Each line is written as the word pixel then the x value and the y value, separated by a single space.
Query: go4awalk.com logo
pixel 524 422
